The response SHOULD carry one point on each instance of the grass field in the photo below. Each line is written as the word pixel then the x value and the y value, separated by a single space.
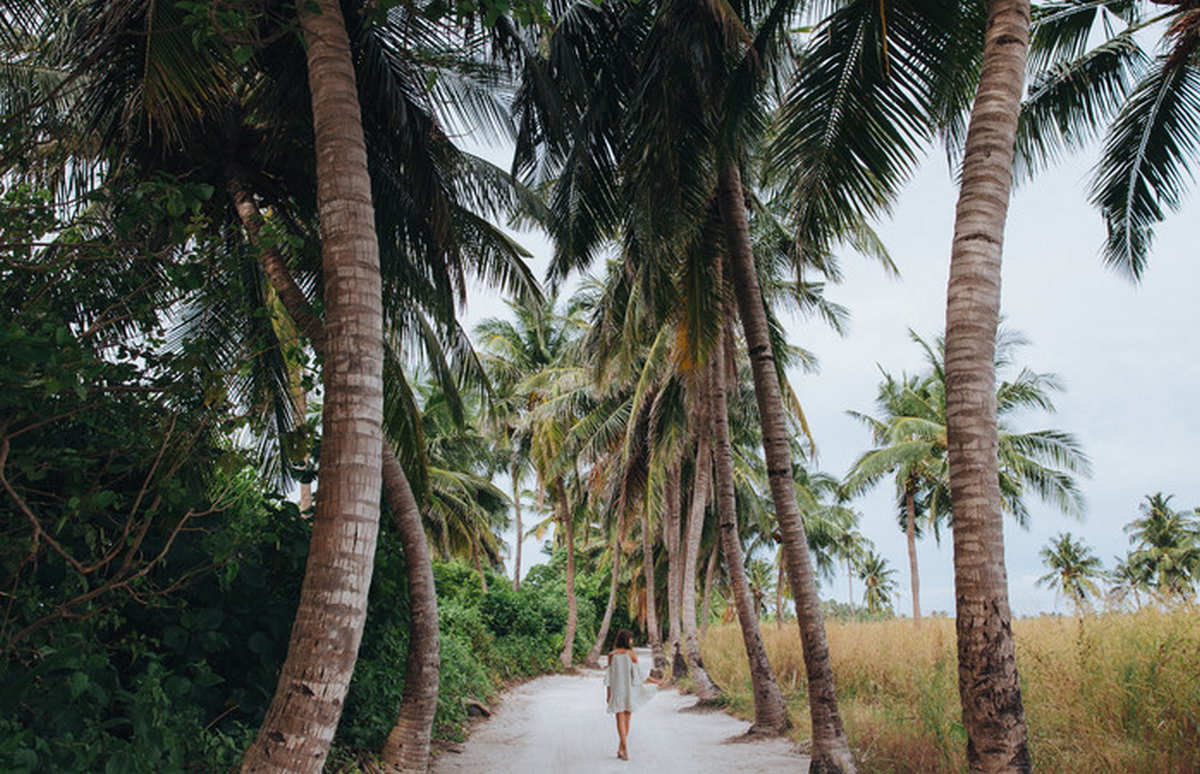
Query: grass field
pixel 1111 693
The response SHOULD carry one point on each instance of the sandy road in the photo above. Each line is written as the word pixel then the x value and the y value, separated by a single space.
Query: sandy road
pixel 558 724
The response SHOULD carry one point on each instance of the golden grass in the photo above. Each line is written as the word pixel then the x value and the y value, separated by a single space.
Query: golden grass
pixel 1111 693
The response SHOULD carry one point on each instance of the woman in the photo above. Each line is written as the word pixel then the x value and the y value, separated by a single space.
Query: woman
pixel 625 682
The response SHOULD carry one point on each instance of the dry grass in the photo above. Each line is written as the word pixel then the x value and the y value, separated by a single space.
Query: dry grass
pixel 1115 692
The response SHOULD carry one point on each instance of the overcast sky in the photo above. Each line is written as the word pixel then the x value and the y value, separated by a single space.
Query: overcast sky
pixel 1125 352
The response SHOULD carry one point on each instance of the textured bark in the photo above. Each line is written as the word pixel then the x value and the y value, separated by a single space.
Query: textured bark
pixel 564 516
pixel 299 725
pixel 709 572
pixel 910 533
pixel 830 749
pixel 652 625
pixel 671 519
pixel 993 714
pixel 593 657
pixel 779 596
pixel 770 712
pixel 479 568
pixel 705 688
pixel 407 746
pixel 516 479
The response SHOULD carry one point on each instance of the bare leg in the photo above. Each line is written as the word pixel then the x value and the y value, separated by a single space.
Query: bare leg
pixel 623 732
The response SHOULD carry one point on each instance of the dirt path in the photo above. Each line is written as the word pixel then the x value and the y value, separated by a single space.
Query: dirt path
pixel 558 724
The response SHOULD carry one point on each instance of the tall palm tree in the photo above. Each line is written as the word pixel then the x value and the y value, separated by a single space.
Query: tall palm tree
pixel 1166 546
pixel 1074 568
pixel 993 715
pixel 878 585
pixel 910 435
pixel 770 712
pixel 300 723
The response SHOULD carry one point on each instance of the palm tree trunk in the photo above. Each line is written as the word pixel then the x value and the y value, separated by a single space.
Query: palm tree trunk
pixel 652 626
pixel 593 657
pixel 706 607
pixel 993 714
pixel 567 656
pixel 516 481
pixel 407 746
pixel 770 712
pixel 779 596
pixel 910 532
pixel 850 584
pixel 299 725
pixel 674 561
pixel 830 748
pixel 705 688
pixel 479 568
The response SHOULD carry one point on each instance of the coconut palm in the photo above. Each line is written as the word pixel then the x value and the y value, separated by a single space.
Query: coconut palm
pixel 993 715
pixel 910 434
pixel 878 586
pixel 299 725
pixel 1074 569
pixel 1166 546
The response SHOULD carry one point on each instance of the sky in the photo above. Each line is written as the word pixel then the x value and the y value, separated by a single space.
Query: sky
pixel 1124 352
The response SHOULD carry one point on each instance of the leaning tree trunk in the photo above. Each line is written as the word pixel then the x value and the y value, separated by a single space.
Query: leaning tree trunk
pixel 770 712
pixel 671 519
pixel 516 478
pixel 705 688
pixel 830 748
pixel 568 652
pixel 299 725
pixel 652 626
pixel 709 572
pixel 779 596
pixel 910 533
pixel 479 568
pixel 407 746
pixel 593 657
pixel 993 714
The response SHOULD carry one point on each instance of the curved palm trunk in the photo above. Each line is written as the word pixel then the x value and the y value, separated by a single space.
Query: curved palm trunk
pixel 993 714
pixel 830 749
pixel 593 656
pixel 564 515
pixel 910 532
pixel 516 479
pixel 674 567
pixel 770 712
pixel 479 567
pixel 706 607
pixel 652 627
pixel 705 688
pixel 299 725
pixel 850 584
pixel 407 746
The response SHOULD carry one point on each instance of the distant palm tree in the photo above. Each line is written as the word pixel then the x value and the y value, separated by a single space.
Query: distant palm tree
pixel 1074 569
pixel 879 587
pixel 1129 576
pixel 1166 546
pixel 910 433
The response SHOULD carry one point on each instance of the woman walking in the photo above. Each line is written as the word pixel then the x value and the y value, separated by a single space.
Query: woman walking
pixel 626 686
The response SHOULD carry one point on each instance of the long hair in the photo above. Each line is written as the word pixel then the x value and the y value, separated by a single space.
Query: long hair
pixel 624 639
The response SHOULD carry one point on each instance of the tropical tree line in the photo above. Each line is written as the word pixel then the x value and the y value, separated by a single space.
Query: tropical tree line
pixel 265 202
pixel 1162 565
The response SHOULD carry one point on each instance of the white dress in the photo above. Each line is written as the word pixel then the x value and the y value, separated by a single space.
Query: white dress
pixel 627 685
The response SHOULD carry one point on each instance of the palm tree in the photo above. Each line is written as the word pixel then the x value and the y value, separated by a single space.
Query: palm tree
pixel 1149 107
pixel 1074 568
pixel 1130 576
pixel 300 723
pixel 993 715
pixel 910 435
pixel 878 586
pixel 1166 546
